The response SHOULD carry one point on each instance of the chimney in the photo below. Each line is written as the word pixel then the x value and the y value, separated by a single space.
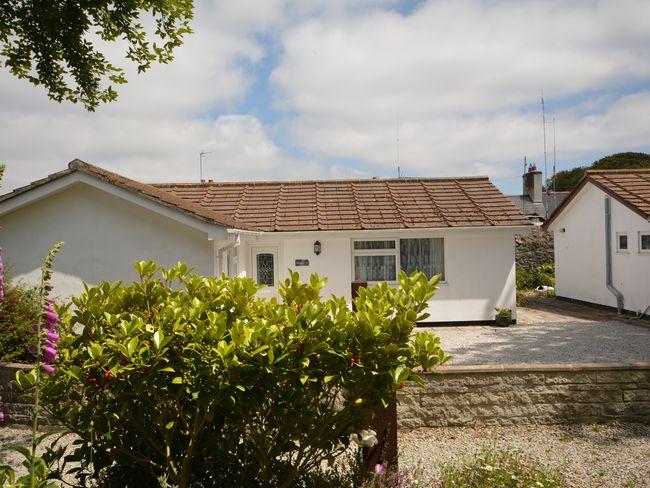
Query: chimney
pixel 533 184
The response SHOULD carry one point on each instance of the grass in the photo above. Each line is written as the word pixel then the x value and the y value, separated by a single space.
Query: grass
pixel 490 468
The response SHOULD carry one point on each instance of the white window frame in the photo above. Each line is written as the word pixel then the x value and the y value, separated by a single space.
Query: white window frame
pixel 643 233
pixel 618 243
pixel 255 250
pixel 377 252
pixel 395 252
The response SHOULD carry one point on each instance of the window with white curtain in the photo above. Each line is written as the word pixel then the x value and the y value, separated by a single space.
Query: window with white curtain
pixel 379 260
pixel 426 255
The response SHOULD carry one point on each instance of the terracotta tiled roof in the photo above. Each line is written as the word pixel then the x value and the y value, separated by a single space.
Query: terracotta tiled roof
pixel 277 206
pixel 147 191
pixel 631 187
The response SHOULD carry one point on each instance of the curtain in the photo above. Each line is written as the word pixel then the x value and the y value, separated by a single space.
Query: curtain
pixel 375 268
pixel 426 255
pixel 360 245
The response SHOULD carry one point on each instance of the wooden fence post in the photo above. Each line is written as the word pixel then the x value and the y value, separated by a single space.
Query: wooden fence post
pixel 384 422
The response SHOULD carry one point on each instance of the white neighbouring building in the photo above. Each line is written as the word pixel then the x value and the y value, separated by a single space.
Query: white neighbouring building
pixel 345 230
pixel 602 240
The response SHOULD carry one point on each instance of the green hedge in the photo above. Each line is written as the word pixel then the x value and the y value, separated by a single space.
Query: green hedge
pixel 18 315
pixel 543 275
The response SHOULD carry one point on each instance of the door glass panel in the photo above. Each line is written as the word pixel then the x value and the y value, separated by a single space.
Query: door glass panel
pixel 265 269
pixel 374 268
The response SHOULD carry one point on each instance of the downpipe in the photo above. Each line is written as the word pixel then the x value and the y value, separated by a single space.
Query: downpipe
pixel 608 257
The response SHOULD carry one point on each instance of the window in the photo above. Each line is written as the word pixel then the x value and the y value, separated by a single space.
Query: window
pixel 644 241
pixel 621 241
pixel 375 268
pixel 426 255
pixel 379 260
pixel 265 269
pixel 363 245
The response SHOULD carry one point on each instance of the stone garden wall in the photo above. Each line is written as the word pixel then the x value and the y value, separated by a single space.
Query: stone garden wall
pixel 486 395
pixel 535 249
pixel 521 394
pixel 16 410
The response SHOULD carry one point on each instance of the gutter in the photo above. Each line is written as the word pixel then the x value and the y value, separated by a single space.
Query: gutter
pixel 620 300
pixel 246 232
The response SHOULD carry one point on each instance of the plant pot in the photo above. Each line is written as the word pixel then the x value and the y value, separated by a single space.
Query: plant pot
pixel 503 321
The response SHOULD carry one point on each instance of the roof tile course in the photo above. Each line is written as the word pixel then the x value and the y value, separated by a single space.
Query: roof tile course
pixel 277 206
pixel 631 187
pixel 356 204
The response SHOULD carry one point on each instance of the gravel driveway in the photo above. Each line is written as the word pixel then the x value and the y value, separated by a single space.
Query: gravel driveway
pixel 550 331
pixel 593 456
pixel 577 341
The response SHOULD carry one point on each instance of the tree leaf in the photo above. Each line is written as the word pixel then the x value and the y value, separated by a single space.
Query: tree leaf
pixel 158 336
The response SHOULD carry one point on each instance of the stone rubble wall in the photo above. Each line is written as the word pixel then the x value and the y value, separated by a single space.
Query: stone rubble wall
pixel 535 249
pixel 524 394
pixel 483 395
pixel 15 408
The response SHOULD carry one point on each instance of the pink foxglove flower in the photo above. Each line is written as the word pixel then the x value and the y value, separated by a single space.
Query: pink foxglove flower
pixel 52 336
pixel 49 369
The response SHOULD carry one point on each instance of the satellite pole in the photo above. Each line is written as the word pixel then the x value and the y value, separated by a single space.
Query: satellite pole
pixel 554 152
pixel 544 129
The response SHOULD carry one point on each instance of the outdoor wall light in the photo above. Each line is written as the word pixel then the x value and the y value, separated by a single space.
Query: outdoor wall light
pixel 317 248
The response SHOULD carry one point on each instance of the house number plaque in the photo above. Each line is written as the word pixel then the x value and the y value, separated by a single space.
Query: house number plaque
pixel 302 262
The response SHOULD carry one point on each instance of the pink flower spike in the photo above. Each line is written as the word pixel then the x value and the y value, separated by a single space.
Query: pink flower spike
pixel 49 354
pixel 2 416
pixel 52 316
pixel 379 469
pixel 53 336
pixel 49 369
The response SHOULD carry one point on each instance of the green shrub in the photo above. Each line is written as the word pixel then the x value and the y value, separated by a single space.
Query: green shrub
pixel 19 311
pixel 199 380
pixel 490 468
pixel 543 275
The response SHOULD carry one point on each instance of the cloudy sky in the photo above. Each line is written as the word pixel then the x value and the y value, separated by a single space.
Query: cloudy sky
pixel 294 89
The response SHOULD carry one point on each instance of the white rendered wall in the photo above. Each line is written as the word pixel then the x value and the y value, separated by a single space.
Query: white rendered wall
pixel 479 267
pixel 103 236
pixel 580 252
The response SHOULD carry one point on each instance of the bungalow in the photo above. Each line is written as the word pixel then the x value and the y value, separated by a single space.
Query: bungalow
pixel 346 230
pixel 602 240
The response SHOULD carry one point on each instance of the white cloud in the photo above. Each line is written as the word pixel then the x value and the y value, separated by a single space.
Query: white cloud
pixel 464 79
pixel 161 119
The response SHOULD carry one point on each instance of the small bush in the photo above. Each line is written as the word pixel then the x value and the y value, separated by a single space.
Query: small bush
pixel 543 275
pixel 199 380
pixel 19 311
pixel 382 477
pixel 490 468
